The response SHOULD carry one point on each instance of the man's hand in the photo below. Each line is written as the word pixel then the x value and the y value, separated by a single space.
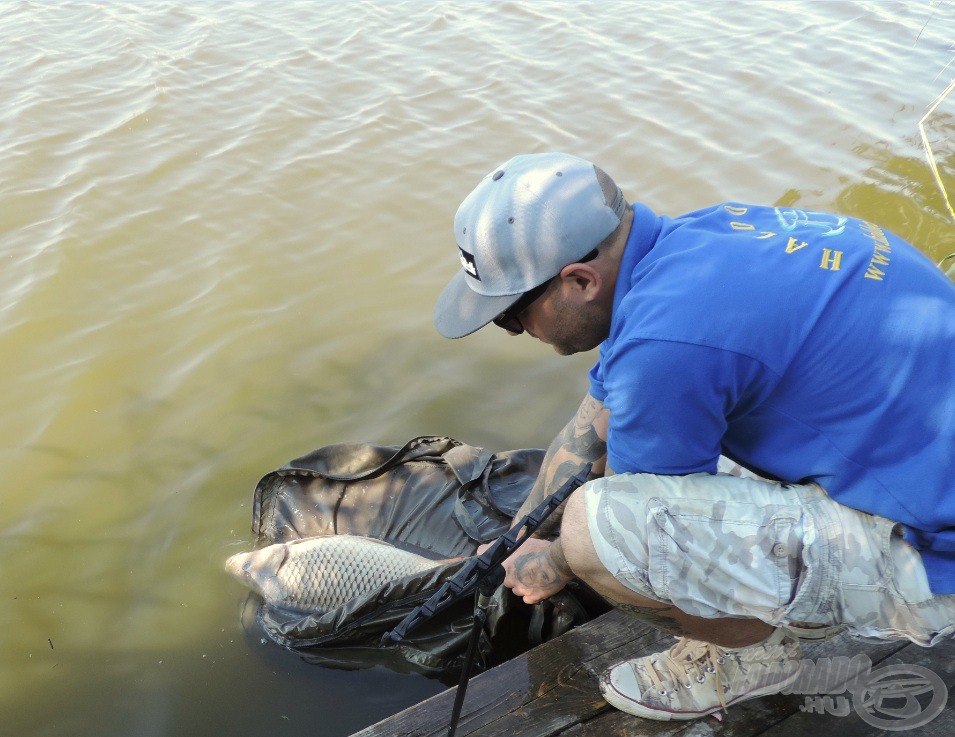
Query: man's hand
pixel 536 570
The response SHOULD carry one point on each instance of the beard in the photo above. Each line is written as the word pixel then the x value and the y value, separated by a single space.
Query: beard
pixel 578 328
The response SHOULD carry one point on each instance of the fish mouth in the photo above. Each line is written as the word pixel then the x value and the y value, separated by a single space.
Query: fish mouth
pixel 232 562
pixel 257 569
pixel 238 565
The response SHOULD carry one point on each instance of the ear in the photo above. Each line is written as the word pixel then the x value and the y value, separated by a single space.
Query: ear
pixel 581 281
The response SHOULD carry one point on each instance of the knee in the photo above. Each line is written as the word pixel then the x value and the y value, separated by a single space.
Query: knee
pixel 575 514
pixel 581 554
pixel 575 537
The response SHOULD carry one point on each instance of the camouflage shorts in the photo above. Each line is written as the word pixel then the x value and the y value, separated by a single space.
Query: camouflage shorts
pixel 718 546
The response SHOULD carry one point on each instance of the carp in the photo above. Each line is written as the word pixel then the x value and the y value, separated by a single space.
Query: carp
pixel 321 573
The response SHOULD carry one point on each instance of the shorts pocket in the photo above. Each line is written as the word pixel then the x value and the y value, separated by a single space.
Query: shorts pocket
pixel 908 579
pixel 716 558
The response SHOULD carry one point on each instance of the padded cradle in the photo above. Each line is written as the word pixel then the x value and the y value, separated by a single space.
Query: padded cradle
pixel 434 496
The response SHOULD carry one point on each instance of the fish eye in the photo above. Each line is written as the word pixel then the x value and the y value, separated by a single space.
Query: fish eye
pixel 247 565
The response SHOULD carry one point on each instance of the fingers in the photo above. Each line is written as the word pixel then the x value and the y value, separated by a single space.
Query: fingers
pixel 528 594
pixel 530 572
pixel 534 572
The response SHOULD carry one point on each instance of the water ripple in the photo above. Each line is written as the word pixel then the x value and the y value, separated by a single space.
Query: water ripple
pixel 224 227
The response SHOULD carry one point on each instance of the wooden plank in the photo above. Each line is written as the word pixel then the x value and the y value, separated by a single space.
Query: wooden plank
pixel 742 720
pixel 940 660
pixel 553 690
pixel 575 699
pixel 562 663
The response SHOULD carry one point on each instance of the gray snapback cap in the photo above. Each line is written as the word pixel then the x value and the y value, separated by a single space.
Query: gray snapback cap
pixel 528 219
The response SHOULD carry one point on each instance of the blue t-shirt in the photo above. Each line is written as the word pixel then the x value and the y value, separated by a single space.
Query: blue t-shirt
pixel 804 345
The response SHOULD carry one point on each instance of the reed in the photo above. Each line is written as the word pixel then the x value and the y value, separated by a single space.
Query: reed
pixel 931 156
pixel 951 269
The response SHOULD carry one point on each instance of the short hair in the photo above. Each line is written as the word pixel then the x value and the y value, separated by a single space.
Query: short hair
pixel 612 196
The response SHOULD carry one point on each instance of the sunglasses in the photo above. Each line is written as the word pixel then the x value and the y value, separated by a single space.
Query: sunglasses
pixel 509 319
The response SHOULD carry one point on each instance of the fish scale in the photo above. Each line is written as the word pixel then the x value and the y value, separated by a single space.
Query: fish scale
pixel 318 574
pixel 328 575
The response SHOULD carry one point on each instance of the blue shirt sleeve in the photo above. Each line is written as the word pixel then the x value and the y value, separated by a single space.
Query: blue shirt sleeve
pixel 596 376
pixel 670 403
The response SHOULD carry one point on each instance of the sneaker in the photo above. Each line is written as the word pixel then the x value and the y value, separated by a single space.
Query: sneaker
pixel 694 678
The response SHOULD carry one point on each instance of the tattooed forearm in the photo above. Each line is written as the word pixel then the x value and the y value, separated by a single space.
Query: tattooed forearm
pixel 586 444
pixel 564 471
pixel 583 440
pixel 660 617
pixel 588 410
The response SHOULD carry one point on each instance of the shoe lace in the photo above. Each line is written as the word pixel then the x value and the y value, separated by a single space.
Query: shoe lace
pixel 687 661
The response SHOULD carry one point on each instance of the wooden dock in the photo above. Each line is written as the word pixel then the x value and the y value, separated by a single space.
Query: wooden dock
pixel 552 690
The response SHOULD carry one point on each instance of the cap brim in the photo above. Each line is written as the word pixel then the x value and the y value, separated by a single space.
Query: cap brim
pixel 461 311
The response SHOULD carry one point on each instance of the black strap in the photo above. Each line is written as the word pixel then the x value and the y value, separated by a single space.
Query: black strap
pixel 465 581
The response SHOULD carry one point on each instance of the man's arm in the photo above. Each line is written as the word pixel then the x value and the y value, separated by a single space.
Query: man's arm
pixel 583 440
pixel 538 569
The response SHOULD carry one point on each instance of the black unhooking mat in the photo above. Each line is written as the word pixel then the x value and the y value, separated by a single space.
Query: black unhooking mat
pixel 434 496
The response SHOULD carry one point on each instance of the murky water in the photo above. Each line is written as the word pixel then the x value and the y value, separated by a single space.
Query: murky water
pixel 223 228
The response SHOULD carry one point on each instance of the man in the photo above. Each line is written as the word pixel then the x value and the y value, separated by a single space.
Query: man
pixel 815 350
